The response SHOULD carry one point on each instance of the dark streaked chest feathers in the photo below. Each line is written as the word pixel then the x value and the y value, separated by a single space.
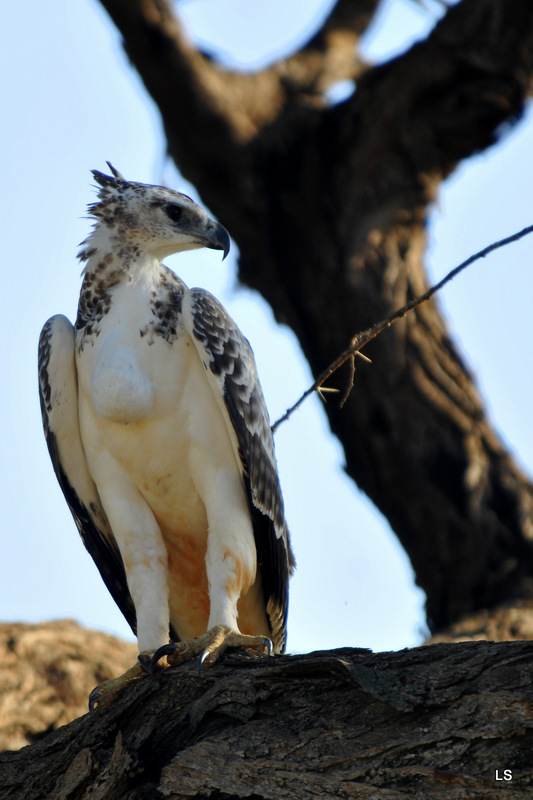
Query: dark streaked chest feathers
pixel 156 308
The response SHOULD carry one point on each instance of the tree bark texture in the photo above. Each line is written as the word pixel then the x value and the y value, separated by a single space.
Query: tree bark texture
pixel 328 205
pixel 442 721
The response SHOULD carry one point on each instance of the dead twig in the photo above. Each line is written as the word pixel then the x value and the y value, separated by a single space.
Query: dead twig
pixel 366 336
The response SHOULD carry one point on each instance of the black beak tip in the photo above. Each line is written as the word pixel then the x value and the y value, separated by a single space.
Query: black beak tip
pixel 220 240
pixel 225 242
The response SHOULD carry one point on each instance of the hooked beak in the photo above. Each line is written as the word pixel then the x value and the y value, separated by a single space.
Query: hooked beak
pixel 218 239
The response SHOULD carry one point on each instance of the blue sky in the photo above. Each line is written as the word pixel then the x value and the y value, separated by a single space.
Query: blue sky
pixel 70 102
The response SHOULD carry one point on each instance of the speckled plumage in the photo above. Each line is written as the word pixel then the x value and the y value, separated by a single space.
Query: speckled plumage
pixel 158 430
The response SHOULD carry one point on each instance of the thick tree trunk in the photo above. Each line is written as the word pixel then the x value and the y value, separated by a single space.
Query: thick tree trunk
pixel 328 207
pixel 444 721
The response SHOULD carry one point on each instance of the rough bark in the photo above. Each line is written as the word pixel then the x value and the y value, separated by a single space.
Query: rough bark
pixel 432 722
pixel 328 206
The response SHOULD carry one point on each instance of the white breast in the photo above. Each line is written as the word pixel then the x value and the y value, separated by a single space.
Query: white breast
pixel 120 390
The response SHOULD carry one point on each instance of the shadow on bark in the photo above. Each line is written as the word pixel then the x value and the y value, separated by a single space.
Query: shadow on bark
pixel 443 720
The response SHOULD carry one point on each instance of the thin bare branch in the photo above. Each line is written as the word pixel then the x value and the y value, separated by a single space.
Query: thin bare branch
pixel 366 336
pixel 351 379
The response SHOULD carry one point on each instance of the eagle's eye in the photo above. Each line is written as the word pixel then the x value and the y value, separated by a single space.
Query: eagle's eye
pixel 174 212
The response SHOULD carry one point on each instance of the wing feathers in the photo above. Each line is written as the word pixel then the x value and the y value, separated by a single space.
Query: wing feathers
pixel 59 405
pixel 232 373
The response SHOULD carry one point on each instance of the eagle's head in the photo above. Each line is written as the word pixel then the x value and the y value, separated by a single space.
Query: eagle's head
pixel 154 219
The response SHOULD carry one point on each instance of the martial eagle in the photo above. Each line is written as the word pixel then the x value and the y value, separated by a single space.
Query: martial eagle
pixel 160 439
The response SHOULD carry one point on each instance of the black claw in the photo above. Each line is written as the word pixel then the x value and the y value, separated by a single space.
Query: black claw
pixel 165 650
pixel 94 699
pixel 145 661
pixel 269 646
pixel 201 659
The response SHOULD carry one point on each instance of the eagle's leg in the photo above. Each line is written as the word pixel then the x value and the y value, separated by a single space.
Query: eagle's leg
pixel 230 560
pixel 145 561
pixel 210 646
pixel 102 696
pixel 142 549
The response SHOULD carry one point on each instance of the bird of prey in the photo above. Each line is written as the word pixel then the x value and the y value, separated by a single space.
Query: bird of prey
pixel 160 439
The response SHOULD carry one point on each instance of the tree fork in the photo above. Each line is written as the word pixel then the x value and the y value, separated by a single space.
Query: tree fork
pixel 328 207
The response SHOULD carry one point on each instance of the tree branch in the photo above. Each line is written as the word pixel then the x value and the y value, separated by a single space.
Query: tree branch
pixel 331 54
pixel 429 722
pixel 363 338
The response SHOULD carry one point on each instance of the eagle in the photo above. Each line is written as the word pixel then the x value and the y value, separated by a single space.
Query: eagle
pixel 160 439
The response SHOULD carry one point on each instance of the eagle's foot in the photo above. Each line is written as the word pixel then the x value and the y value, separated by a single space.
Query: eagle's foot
pixel 210 646
pixel 103 695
